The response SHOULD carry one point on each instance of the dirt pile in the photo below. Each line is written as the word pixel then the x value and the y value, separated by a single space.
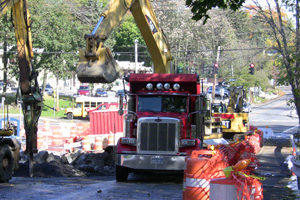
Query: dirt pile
pixel 70 164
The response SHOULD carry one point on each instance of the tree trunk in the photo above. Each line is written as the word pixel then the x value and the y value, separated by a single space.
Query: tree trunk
pixel 293 73
pixel 57 95
pixel 297 75
pixel 44 81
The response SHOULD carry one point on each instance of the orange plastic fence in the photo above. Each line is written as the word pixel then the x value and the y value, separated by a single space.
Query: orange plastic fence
pixel 254 141
pixel 236 188
pixel 201 167
pixel 239 151
pixel 248 187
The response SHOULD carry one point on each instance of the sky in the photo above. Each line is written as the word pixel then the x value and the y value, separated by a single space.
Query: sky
pixel 264 4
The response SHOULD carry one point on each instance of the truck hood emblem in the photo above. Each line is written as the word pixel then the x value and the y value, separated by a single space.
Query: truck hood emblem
pixel 157 120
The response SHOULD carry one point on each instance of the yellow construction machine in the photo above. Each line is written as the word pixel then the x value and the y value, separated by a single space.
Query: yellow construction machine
pixel 234 120
pixel 30 92
pixel 96 62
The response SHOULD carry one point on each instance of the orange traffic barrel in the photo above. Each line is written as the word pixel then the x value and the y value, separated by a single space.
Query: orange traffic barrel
pixel 235 188
pixel 202 166
pixel 86 144
pixel 98 143
pixel 223 188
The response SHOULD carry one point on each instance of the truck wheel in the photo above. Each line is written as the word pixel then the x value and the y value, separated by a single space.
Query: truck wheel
pixel 121 174
pixel 6 163
pixel 70 116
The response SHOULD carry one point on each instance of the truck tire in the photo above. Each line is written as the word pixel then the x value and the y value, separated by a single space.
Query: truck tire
pixel 70 116
pixel 121 174
pixel 6 163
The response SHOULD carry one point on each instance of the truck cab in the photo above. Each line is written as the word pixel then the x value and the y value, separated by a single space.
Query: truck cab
pixel 164 120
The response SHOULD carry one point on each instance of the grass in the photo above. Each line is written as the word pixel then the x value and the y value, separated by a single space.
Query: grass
pixel 48 109
pixel 259 99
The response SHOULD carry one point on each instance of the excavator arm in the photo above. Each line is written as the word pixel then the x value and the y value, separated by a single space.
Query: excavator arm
pixel 30 93
pixel 96 63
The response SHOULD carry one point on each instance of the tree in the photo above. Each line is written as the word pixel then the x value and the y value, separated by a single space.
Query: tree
pixel 200 8
pixel 125 36
pixel 287 41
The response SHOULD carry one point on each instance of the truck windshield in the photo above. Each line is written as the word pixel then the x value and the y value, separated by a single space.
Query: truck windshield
pixel 175 104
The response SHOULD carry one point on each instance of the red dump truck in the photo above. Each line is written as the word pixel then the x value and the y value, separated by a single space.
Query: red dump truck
pixel 166 117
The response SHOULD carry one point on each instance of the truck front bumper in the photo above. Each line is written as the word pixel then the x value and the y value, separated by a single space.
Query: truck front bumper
pixel 151 162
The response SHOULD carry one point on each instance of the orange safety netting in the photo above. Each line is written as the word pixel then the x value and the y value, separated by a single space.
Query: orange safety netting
pixel 247 187
pixel 201 167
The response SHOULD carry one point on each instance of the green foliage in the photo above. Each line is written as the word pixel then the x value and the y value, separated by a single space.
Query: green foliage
pixel 55 32
pixel 127 33
pixel 48 106
pixel 200 8
pixel 125 36
pixel 243 78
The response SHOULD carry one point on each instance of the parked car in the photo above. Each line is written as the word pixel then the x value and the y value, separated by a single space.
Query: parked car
pixel 218 91
pixel 100 93
pixel 83 90
pixel 121 93
pixel 49 89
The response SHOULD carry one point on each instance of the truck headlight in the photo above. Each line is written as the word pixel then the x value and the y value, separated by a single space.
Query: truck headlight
pixel 128 141
pixel 129 117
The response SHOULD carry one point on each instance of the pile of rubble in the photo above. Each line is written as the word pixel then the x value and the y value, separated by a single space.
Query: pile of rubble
pixel 70 164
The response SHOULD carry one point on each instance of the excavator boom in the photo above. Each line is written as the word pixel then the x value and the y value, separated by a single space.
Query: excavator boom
pixel 96 63
pixel 30 92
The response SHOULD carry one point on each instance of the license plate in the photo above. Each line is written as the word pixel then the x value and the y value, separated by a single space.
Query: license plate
pixel 157 160
pixel 226 124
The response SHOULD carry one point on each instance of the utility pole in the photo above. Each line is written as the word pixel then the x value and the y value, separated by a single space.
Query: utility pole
pixel 215 75
pixel 136 42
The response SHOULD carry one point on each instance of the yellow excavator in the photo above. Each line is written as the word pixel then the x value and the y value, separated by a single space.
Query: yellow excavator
pixel 234 120
pixel 30 92
pixel 97 65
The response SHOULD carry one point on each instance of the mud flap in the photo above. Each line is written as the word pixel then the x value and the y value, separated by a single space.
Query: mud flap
pixel 103 69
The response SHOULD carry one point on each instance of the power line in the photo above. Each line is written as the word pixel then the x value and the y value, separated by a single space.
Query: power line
pixel 132 52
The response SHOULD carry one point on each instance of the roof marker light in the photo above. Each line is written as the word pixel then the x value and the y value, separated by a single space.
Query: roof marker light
pixel 176 86
pixel 149 86
pixel 167 86
pixel 159 86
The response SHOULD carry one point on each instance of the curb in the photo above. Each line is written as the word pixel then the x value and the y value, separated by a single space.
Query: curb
pixel 268 102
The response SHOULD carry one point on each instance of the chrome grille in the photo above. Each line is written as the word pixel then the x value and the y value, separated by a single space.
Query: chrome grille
pixel 158 135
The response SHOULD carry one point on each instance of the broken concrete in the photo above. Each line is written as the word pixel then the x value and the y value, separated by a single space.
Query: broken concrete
pixel 70 164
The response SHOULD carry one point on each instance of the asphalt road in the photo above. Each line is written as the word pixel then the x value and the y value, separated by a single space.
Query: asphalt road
pixel 273 156
pixel 158 186
pixel 276 115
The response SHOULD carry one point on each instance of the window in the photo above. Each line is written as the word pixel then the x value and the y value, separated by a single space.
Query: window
pixel 78 105
pixel 84 88
pixel 162 103
pixel 103 107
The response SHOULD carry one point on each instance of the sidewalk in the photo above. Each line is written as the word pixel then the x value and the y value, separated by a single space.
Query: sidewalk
pixel 276 172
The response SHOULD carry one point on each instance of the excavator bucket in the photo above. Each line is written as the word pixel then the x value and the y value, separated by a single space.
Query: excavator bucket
pixel 101 69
